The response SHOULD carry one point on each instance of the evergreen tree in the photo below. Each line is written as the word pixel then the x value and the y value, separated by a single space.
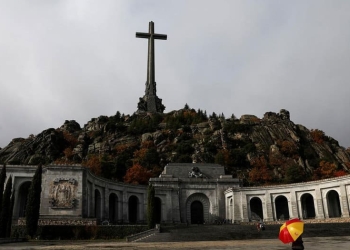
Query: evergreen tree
pixel 4 217
pixel 9 223
pixel 150 207
pixel 33 203
pixel 2 183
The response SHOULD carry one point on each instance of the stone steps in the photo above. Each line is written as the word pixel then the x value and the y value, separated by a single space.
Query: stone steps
pixel 238 232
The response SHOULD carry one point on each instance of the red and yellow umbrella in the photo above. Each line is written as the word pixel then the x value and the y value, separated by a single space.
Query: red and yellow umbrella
pixel 291 230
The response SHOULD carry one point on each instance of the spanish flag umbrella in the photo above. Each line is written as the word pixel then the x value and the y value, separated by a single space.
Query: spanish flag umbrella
pixel 291 230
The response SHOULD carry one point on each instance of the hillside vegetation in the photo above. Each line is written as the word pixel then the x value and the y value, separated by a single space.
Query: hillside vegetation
pixel 270 150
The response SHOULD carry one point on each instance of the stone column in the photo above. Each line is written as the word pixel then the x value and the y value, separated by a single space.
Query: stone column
pixel 293 206
pixel 125 206
pixel 268 207
pixel 319 205
pixel 244 208
pixel 93 207
pixel 106 204
pixel 344 205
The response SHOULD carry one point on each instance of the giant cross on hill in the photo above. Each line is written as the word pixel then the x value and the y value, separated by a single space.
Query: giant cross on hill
pixel 150 101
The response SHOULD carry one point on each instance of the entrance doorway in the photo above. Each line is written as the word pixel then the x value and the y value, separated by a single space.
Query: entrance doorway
pixel 158 209
pixel 197 216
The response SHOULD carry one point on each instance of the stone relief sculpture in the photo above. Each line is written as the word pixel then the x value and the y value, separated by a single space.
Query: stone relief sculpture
pixel 196 173
pixel 63 193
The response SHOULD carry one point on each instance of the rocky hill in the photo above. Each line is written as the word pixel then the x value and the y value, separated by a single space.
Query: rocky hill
pixel 259 151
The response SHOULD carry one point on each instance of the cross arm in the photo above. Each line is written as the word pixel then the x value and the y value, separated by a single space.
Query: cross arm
pixel 142 35
pixel 160 36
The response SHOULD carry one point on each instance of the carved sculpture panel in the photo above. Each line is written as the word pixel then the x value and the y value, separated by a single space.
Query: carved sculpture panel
pixel 63 193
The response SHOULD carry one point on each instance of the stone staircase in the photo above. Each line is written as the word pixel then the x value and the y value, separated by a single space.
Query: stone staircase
pixel 181 232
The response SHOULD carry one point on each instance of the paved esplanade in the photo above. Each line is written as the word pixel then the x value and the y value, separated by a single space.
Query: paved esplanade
pixel 313 243
pixel 150 102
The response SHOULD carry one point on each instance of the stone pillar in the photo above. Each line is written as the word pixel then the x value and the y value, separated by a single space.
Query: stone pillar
pixel 293 206
pixel 106 204
pixel 268 207
pixel 93 207
pixel 120 207
pixel 344 205
pixel 142 207
pixel 244 208
pixel 125 206
pixel 319 205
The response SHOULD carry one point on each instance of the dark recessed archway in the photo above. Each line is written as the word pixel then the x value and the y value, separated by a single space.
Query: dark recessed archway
pixel 282 211
pixel 113 208
pixel 158 209
pixel 22 198
pixel 197 215
pixel 308 206
pixel 333 204
pixel 133 209
pixel 256 209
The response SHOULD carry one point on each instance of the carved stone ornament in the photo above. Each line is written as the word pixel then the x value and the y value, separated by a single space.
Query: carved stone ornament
pixel 63 193
pixel 195 173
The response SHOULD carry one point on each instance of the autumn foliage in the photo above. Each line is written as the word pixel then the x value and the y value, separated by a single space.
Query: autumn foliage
pixel 260 173
pixel 317 135
pixel 327 170
pixel 137 175
pixel 94 164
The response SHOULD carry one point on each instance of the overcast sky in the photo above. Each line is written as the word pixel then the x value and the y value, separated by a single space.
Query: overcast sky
pixel 75 60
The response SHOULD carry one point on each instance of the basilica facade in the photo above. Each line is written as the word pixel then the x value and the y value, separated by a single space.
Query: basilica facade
pixel 185 193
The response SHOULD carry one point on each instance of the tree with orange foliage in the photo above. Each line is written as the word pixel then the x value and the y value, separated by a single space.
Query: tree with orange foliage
pixel 317 135
pixel 260 173
pixel 340 173
pixel 325 170
pixel 94 164
pixel 137 175
pixel 289 149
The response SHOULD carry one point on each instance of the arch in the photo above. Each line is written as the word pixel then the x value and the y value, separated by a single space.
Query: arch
pixel 113 208
pixel 98 204
pixel 197 215
pixel 133 209
pixel 333 204
pixel 23 198
pixel 203 199
pixel 158 209
pixel 282 210
pixel 256 209
pixel 308 206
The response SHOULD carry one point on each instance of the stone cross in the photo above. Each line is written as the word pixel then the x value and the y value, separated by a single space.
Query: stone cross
pixel 150 102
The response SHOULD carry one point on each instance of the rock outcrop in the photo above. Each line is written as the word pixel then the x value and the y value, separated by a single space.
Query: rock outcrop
pixel 183 136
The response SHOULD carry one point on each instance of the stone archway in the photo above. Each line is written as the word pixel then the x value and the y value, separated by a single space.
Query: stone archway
pixel 23 198
pixel 200 201
pixel 133 209
pixel 113 208
pixel 308 206
pixel 333 204
pixel 197 216
pixel 158 209
pixel 282 211
pixel 256 209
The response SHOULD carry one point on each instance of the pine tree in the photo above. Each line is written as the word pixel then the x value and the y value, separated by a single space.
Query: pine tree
pixel 2 183
pixel 150 207
pixel 4 217
pixel 33 203
pixel 9 223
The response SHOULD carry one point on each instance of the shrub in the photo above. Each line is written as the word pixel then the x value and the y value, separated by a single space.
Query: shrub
pixel 71 232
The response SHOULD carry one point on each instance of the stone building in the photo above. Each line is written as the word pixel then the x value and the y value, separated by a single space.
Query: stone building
pixel 193 193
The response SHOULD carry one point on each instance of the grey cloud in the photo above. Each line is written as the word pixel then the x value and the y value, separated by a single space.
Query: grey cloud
pixel 80 59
